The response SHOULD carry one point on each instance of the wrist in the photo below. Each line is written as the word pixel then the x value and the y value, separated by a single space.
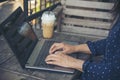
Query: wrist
pixel 78 64
pixel 82 48
pixel 77 48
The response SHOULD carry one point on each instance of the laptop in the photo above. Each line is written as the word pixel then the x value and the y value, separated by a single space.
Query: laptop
pixel 28 49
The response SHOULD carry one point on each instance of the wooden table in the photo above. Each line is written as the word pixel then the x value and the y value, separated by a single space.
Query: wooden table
pixel 11 70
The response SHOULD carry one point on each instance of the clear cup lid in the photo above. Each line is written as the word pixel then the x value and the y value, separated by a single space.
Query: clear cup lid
pixel 48 15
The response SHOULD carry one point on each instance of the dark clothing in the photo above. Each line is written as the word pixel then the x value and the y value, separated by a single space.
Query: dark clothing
pixel 2 0
pixel 109 67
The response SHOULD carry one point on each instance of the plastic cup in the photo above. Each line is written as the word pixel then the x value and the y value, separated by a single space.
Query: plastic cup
pixel 48 21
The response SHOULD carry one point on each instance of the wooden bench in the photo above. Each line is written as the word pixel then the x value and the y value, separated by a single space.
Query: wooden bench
pixel 86 18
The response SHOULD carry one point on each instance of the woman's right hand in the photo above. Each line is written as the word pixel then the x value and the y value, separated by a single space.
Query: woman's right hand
pixel 65 48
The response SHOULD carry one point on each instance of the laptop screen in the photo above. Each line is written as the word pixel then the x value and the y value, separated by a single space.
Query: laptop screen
pixel 16 31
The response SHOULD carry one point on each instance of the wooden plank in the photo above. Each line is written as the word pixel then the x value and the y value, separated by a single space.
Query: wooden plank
pixel 87 31
pixel 88 13
pixel 88 23
pixel 90 4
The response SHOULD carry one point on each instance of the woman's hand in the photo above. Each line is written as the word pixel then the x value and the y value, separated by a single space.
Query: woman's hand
pixel 63 60
pixel 65 48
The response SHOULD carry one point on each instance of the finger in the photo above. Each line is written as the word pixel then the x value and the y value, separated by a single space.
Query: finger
pixel 57 52
pixel 52 47
pixel 51 57
pixel 60 52
pixel 52 62
pixel 55 47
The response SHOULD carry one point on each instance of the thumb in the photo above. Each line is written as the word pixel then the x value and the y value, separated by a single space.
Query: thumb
pixel 64 52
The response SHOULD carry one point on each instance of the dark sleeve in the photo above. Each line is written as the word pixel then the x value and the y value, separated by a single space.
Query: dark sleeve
pixel 106 69
pixel 99 71
pixel 97 47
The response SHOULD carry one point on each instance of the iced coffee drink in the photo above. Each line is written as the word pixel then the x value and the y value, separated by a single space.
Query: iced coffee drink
pixel 48 20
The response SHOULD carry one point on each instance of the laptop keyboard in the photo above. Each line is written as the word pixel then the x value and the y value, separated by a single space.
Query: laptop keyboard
pixel 40 61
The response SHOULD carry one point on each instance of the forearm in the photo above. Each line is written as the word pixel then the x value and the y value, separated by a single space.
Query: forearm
pixel 82 48
pixel 78 64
